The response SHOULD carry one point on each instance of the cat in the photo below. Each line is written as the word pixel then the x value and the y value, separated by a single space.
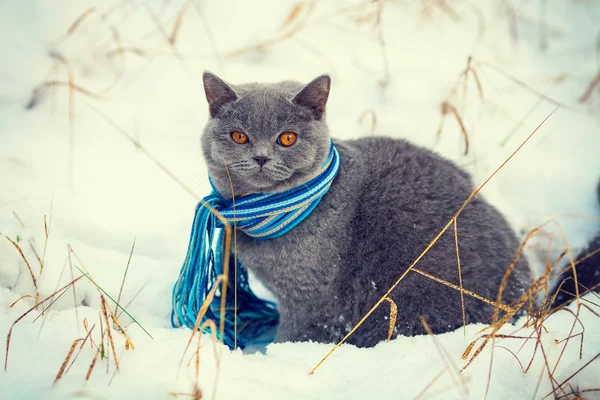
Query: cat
pixel 388 201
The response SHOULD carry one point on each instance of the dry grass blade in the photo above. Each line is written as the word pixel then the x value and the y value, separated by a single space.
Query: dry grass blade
pixel 137 294
pixel 450 366
pixel 393 315
pixel 125 50
pixel 197 392
pixel 203 309
pixel 66 361
pixel 8 336
pixel 125 275
pixel 462 296
pixel 587 94
pixel 468 349
pixel 430 384
pixel 213 331
pixel 172 38
pixel 371 112
pixel 514 356
pixel 523 84
pixel 498 306
pixel 511 267
pixel 430 245
pixel 46 236
pixel 83 341
pixel 167 38
pixel 569 337
pixel 497 325
pixel 128 342
pixel 235 270
pixel 21 298
pixel 24 259
pixel 477 82
pixel 449 108
pixel 19 220
pixel 80 19
pixel 74 291
pixel 293 15
pixel 103 307
pixel 93 363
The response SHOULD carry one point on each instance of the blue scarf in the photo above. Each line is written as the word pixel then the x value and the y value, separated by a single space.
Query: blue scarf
pixel 261 216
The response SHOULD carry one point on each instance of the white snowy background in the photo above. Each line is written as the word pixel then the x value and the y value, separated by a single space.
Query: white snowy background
pixel 392 62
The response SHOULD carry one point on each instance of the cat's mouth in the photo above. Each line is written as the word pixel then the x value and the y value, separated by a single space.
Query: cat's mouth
pixel 263 179
pixel 265 174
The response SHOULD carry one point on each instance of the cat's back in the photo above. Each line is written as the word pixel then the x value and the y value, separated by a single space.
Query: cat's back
pixel 406 172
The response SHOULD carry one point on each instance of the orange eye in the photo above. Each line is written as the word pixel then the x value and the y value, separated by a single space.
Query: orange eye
pixel 239 137
pixel 286 139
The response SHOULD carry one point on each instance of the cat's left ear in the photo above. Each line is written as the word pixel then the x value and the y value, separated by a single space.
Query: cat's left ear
pixel 314 95
pixel 218 93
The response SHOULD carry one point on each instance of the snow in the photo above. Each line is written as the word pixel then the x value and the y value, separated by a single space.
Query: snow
pixel 99 192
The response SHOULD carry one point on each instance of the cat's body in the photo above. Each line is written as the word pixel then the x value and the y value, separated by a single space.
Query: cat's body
pixel 375 221
pixel 388 202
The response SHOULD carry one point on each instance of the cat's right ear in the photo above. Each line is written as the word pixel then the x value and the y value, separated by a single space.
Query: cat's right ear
pixel 314 95
pixel 217 92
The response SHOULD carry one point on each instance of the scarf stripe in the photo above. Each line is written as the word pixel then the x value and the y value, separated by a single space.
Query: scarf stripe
pixel 261 216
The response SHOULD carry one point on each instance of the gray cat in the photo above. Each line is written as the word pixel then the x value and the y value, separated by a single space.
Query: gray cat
pixel 388 201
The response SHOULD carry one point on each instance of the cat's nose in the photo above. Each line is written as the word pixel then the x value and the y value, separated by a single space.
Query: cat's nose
pixel 261 160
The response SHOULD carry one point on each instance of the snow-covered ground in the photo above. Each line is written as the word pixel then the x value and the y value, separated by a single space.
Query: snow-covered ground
pixel 63 161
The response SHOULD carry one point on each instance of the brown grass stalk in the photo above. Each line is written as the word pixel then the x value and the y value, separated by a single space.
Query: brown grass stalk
pixel 74 291
pixel 448 108
pixel 511 267
pixel 16 245
pixel 83 341
pixel 201 312
pixel 46 236
pixel 63 366
pixel 462 296
pixel 78 21
pixel 25 296
pixel 393 316
pixel 104 307
pixel 93 363
pixel 8 336
pixel 128 342
pixel 125 275
pixel 498 306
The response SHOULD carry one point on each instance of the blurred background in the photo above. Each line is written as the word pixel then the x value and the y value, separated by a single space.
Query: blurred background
pixel 86 87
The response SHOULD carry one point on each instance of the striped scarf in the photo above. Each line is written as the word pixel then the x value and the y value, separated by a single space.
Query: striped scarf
pixel 261 216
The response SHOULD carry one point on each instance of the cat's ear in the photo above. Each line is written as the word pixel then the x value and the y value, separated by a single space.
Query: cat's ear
pixel 314 95
pixel 217 92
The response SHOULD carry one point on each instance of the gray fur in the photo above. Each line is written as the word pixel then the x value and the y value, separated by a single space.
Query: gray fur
pixel 387 203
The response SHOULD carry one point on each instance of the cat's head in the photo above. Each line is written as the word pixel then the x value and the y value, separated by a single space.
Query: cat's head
pixel 266 137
